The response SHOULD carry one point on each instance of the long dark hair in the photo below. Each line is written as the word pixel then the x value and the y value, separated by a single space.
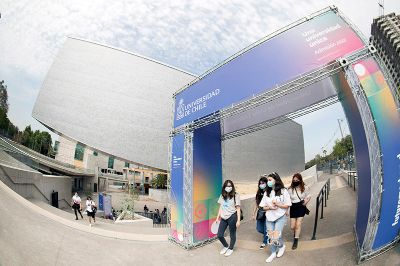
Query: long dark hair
pixel 300 178
pixel 260 192
pixel 225 194
pixel 278 184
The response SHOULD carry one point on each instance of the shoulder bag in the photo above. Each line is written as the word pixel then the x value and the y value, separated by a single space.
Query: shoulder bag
pixel 302 201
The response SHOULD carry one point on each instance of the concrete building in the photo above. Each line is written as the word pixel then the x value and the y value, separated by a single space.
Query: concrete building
pixel 385 31
pixel 113 111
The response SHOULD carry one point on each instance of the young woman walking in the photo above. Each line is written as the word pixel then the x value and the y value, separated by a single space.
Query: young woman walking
pixel 299 196
pixel 259 213
pixel 228 215
pixel 275 202
pixel 91 210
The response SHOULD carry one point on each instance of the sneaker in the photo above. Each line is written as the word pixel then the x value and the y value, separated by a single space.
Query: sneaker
pixel 281 251
pixel 271 257
pixel 76 218
pixel 228 252
pixel 262 246
pixel 223 251
pixel 295 243
pixel 90 225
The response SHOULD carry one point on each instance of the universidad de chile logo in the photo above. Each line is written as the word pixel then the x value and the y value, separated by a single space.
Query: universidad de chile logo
pixel 180 111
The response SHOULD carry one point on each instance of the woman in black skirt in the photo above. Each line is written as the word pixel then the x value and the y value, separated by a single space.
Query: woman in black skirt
pixel 300 196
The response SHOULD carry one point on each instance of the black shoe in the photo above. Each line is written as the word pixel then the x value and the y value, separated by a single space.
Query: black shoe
pixel 76 218
pixel 295 242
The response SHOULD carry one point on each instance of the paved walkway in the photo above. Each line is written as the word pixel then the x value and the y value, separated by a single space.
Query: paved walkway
pixel 30 235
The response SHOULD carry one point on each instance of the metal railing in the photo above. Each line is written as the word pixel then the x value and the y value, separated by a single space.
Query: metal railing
pixel 352 179
pixel 321 200
pixel 159 220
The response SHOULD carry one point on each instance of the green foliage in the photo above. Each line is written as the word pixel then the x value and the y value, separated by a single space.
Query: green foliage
pixel 341 149
pixel 160 181
pixel 128 205
pixel 3 97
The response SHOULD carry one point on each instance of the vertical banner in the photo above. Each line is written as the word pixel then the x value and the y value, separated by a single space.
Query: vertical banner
pixel 361 152
pixel 177 187
pixel 207 179
pixel 107 203
pixel 101 202
pixel 387 122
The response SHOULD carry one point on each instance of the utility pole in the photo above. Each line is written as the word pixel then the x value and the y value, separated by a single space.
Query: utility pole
pixel 340 126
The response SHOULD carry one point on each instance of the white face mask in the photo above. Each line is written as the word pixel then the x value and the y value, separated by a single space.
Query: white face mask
pixel 228 189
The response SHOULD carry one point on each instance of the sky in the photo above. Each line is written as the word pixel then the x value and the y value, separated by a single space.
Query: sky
pixel 191 35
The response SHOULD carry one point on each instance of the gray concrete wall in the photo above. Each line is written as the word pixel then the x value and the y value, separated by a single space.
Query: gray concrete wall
pixel 34 185
pixel 279 149
pixel 160 195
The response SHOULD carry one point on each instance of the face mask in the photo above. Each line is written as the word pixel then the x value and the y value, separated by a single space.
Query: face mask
pixel 296 183
pixel 228 189
pixel 262 186
pixel 271 183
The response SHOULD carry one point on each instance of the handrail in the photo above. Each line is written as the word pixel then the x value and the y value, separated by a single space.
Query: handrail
pixel 322 197
pixel 351 179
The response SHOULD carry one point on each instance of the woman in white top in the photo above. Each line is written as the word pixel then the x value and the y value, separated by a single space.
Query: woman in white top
pixel 276 201
pixel 300 196
pixel 228 215
pixel 91 210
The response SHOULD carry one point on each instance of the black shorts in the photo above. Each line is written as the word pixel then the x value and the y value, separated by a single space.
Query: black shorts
pixel 91 214
pixel 297 210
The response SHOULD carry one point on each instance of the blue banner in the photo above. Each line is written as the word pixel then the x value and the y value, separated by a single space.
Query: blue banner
pixel 294 52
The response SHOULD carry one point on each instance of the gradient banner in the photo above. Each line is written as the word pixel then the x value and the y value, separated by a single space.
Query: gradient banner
pixel 276 61
pixel 387 122
pixel 207 179
pixel 178 142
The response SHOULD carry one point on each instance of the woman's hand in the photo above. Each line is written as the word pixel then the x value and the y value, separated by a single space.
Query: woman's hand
pixel 253 217
pixel 238 224
pixel 218 219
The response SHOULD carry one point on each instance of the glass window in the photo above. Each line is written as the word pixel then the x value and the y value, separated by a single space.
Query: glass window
pixel 111 162
pixel 95 153
pixel 79 151
pixel 126 164
pixel 56 144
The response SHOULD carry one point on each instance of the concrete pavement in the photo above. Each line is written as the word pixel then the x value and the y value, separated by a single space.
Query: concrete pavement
pixel 31 237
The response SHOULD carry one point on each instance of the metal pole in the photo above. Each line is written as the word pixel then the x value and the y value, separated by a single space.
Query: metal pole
pixel 340 126
pixel 322 206
pixel 316 219
pixel 326 193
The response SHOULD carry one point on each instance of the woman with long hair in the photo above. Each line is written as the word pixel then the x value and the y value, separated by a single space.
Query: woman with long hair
pixel 276 201
pixel 228 215
pixel 299 196
pixel 260 219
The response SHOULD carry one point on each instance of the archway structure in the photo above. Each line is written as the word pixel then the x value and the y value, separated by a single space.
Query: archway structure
pixel 314 62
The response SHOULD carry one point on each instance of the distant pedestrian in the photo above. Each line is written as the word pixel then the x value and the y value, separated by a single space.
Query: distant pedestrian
pixel 259 213
pixel 146 210
pixel 276 201
pixel 76 205
pixel 228 215
pixel 91 210
pixel 300 196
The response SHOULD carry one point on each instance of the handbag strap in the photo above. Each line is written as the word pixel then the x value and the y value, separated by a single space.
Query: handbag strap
pixel 297 194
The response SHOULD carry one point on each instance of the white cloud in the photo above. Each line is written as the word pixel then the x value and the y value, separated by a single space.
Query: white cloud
pixel 192 35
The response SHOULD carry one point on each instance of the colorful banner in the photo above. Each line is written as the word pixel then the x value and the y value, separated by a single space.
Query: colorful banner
pixel 387 122
pixel 276 61
pixel 177 187
pixel 360 145
pixel 207 179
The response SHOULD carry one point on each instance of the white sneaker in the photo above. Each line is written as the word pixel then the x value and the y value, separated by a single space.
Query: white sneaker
pixel 90 225
pixel 281 251
pixel 262 246
pixel 228 252
pixel 223 251
pixel 271 258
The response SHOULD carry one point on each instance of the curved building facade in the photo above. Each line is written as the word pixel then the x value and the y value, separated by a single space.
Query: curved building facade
pixel 110 100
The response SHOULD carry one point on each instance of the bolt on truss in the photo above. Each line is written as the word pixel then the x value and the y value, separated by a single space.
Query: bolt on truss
pixel 375 161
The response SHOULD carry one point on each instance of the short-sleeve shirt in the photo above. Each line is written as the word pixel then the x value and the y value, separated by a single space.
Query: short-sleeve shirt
pixel 76 199
pixel 284 198
pixel 228 206
pixel 89 204
pixel 302 195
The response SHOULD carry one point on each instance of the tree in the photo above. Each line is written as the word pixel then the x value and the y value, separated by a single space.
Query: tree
pixel 160 181
pixel 3 96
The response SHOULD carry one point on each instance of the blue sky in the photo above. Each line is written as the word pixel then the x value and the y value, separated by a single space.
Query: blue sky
pixel 191 35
